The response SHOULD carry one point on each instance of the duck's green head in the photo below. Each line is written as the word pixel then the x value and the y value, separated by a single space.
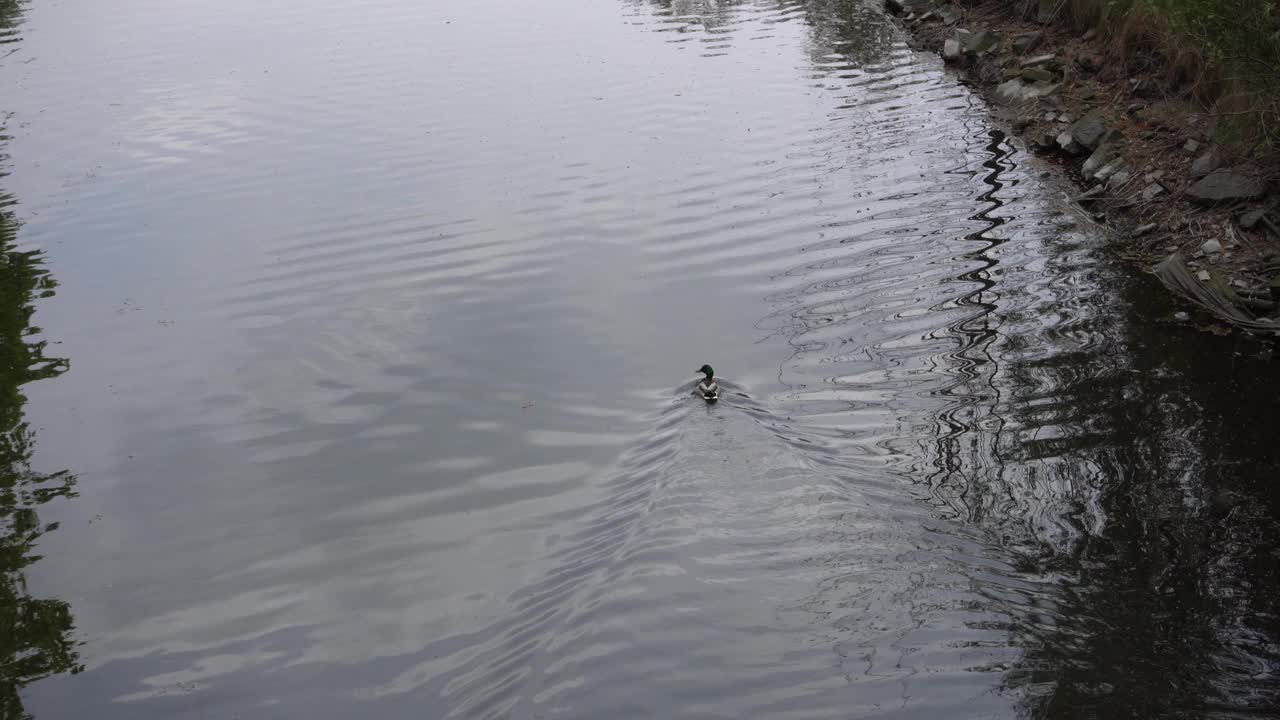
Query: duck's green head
pixel 706 370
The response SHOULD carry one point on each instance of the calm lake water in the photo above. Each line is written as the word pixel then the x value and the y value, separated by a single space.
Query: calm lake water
pixel 357 383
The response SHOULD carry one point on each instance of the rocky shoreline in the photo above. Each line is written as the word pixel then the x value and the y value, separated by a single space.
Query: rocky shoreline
pixel 1206 222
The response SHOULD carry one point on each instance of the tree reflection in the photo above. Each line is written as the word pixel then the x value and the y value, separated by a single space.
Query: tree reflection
pixel 1123 465
pixel 1171 607
pixel 35 633
pixel 856 31
pixel 1131 472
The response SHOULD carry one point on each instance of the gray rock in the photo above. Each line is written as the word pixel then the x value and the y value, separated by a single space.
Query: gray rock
pixel 951 50
pixel 1203 275
pixel 1181 316
pixel 1143 229
pixel 1250 220
pixel 948 14
pixel 1109 169
pixel 1038 60
pixel 1044 88
pixel 1152 191
pixel 1036 74
pixel 1092 193
pixel 1068 143
pixel 1089 131
pixel 1206 163
pixel 1099 159
pixel 976 43
pixel 1224 185
pixel 1026 42
pixel 1066 118
pixel 1211 247
pixel 1119 178
pixel 1192 145
pixel 898 7
pixel 1014 91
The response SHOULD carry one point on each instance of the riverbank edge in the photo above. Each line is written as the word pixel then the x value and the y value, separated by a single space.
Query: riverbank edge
pixel 1177 203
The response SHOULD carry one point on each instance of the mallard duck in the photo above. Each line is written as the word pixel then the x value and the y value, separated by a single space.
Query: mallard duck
pixel 708 388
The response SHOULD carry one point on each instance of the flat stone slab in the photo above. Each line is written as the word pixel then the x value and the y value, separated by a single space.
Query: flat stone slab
pixel 1016 91
pixel 1152 191
pixel 1119 178
pixel 900 7
pixel 1100 158
pixel 1206 163
pixel 1089 131
pixel 1035 73
pixel 976 43
pixel 1026 42
pixel 1067 143
pixel 1224 185
pixel 1250 220
pixel 1111 168
pixel 951 50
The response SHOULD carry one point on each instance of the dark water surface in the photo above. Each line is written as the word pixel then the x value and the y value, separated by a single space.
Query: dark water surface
pixel 380 321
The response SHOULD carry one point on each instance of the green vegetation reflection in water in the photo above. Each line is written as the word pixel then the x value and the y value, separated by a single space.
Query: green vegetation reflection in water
pixel 35 633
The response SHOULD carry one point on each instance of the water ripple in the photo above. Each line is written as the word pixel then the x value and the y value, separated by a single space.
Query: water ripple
pixel 383 316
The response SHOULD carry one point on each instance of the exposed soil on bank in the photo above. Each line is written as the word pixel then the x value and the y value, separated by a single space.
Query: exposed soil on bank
pixel 1205 220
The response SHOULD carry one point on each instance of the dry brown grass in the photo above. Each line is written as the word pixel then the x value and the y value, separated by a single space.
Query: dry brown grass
pixel 1222 55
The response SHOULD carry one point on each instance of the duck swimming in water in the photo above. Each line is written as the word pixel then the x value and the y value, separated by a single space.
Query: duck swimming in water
pixel 708 388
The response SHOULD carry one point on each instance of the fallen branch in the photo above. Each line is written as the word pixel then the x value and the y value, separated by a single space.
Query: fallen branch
pixel 1213 296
